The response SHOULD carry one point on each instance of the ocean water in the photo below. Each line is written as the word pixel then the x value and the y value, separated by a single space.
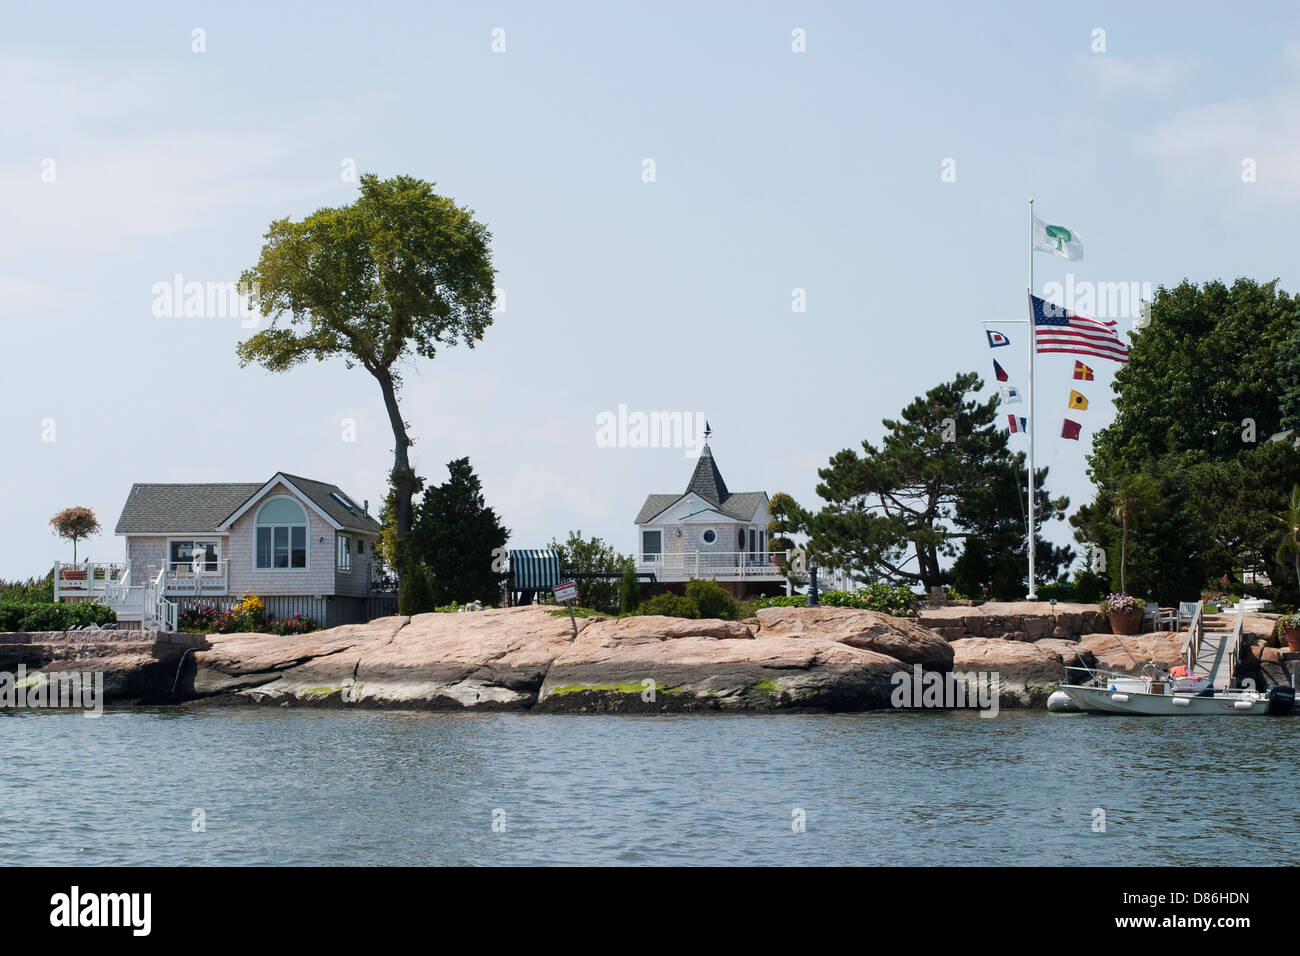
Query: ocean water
pixel 290 787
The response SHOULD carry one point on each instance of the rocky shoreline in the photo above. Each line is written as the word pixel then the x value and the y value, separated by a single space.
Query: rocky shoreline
pixel 802 659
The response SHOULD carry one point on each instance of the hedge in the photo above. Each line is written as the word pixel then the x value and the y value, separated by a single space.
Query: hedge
pixel 53 617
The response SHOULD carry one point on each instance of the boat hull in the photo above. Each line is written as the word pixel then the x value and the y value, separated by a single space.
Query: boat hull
pixel 1103 700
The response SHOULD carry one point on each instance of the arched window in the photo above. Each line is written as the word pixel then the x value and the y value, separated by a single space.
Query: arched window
pixel 281 535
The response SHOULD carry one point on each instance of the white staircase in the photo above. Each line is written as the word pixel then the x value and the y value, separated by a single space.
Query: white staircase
pixel 145 603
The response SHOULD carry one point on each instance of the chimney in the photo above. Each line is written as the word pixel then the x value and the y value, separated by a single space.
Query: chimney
pixel 365 506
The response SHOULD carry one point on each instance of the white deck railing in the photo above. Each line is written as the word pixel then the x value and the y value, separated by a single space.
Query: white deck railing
pixel 181 579
pixel 738 564
pixel 87 578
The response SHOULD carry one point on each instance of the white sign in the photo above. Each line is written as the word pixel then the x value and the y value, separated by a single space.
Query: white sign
pixel 565 591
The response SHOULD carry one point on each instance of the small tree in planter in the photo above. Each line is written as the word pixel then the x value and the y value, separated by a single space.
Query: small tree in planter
pixel 73 524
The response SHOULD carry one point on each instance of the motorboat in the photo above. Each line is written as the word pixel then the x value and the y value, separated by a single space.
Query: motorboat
pixel 1157 692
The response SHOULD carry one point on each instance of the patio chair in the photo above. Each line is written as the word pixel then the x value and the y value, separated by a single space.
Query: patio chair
pixel 1159 616
pixel 1186 611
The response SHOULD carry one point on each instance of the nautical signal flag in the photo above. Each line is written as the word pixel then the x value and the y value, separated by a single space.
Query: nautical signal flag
pixel 999 372
pixel 1010 394
pixel 1018 424
pixel 1078 401
pixel 1081 371
pixel 1070 429
pixel 996 339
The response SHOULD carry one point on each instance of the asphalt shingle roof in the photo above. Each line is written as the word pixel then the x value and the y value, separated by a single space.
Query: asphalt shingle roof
pixel 706 481
pixel 200 508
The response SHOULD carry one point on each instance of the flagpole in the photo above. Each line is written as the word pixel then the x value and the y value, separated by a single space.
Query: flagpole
pixel 1033 420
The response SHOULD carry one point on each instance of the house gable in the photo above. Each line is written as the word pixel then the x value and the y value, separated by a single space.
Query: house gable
pixel 280 481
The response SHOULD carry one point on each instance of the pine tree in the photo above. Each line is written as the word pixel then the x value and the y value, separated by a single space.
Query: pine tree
pixel 455 535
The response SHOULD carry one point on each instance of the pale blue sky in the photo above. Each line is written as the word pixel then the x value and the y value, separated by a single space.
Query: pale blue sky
pixel 775 170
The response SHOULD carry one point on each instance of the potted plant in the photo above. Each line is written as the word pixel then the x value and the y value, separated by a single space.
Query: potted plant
pixel 778 550
pixel 1124 612
pixel 1288 628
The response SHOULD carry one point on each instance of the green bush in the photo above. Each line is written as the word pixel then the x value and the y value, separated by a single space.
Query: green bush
pixel 895 599
pixel 416 596
pixel 31 591
pixel 1059 591
pixel 53 617
pixel 710 599
pixel 750 608
pixel 885 598
pixel 670 605
pixel 629 592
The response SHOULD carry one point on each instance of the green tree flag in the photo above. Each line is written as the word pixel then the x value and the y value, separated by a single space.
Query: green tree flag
pixel 455 534
pixel 942 484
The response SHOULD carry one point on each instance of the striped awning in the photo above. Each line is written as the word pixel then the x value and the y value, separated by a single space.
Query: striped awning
pixel 535 569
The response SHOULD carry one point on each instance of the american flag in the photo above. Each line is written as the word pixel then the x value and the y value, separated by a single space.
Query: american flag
pixel 1058 330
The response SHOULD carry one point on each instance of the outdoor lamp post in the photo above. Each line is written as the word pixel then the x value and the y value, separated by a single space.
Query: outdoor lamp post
pixel 812 582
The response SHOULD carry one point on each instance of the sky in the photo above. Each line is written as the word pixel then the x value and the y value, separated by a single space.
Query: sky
pixel 664 184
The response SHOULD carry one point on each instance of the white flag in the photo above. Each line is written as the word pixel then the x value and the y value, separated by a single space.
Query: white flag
pixel 1010 395
pixel 1057 239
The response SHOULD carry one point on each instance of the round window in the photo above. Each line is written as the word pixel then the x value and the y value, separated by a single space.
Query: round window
pixel 710 536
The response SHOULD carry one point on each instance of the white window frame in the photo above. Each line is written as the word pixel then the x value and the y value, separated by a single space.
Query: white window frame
pixel 187 566
pixel 343 553
pixel 647 556
pixel 306 526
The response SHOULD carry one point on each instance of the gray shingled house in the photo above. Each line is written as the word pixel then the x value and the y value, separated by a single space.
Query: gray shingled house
pixel 303 546
pixel 709 532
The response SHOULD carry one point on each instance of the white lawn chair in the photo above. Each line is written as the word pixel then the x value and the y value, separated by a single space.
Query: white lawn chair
pixel 1186 612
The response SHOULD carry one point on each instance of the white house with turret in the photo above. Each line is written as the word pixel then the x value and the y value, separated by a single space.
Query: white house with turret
pixel 709 531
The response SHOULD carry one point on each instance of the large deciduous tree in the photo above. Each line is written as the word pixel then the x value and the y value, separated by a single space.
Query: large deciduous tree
pixel 399 273
pixel 1209 381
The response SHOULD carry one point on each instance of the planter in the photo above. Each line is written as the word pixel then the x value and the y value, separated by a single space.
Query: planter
pixel 1125 624
pixel 1292 635
pixel 72 574
pixel 776 559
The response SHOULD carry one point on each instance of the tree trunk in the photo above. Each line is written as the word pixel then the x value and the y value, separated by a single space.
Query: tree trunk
pixel 74 550
pixel 1123 556
pixel 402 475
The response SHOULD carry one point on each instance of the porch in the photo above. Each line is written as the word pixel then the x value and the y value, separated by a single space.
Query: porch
pixel 715 565
pixel 89 581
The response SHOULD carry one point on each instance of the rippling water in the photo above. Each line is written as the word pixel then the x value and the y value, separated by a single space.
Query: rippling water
pixel 328 787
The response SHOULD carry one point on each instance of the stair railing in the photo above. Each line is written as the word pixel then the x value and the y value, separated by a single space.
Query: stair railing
pixel 1234 648
pixel 1192 643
